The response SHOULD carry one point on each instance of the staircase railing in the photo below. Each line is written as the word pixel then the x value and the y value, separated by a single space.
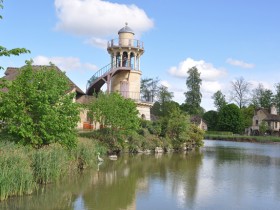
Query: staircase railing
pixel 102 72
pixel 99 73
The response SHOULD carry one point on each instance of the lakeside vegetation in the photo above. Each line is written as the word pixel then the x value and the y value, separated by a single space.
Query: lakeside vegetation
pixel 228 136
pixel 38 139
pixel 23 167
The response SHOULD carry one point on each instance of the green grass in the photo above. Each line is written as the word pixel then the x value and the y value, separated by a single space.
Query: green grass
pixel 261 139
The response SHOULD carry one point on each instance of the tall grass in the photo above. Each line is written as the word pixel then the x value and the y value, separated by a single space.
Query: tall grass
pixel 23 168
pixel 49 163
pixel 16 176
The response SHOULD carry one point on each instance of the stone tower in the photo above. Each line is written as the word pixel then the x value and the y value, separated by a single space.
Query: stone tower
pixel 123 74
pixel 125 59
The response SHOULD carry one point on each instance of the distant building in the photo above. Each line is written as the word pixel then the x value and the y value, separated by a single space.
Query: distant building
pixel 197 120
pixel 269 116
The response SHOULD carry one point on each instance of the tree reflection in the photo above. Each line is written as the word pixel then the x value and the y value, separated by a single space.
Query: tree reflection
pixel 117 184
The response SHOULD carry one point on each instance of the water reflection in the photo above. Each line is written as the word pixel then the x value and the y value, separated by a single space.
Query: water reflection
pixel 221 175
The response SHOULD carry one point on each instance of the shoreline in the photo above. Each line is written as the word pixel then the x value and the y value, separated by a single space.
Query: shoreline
pixel 258 139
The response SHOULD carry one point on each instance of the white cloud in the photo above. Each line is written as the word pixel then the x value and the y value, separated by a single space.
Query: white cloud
pixel 240 63
pixel 64 63
pixel 99 19
pixel 255 84
pixel 207 70
pixel 165 83
pixel 98 42
pixel 210 87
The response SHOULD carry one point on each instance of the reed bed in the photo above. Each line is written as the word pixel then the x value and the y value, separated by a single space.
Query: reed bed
pixel 23 168
pixel 16 177
pixel 85 153
pixel 49 163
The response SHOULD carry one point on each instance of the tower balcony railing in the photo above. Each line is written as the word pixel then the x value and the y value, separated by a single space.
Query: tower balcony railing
pixel 126 43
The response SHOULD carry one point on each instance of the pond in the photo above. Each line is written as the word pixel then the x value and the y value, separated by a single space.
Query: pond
pixel 220 175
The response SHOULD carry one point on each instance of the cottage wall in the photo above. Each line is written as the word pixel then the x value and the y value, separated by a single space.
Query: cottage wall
pixel 258 118
pixel 144 110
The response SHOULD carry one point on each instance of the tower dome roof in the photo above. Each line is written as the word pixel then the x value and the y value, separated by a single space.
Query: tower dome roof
pixel 126 29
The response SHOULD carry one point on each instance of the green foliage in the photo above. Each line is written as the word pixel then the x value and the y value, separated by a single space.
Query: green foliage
pixel 263 127
pixel 149 89
pixel 115 112
pixel 155 128
pixel 230 119
pixel 164 95
pixel 177 128
pixel 164 106
pixel 277 97
pixel 22 167
pixel 37 110
pixel 15 172
pixel 219 100
pixel 196 135
pixel 49 163
pixel 211 118
pixel 193 95
pixel 262 97
pixel 248 113
pixel 16 51
pixel 219 133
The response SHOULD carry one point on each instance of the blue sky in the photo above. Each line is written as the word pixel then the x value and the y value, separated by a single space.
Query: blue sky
pixel 224 39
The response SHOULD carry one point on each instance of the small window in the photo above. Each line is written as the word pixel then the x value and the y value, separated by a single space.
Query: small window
pixel 257 122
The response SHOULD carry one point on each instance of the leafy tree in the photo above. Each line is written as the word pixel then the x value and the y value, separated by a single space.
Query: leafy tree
pixel 37 110
pixel 277 97
pixel 196 135
pixel 164 106
pixel 248 113
pixel 177 128
pixel 263 127
pixel 6 52
pixel 230 119
pixel 149 89
pixel 115 112
pixel 211 118
pixel 193 95
pixel 262 97
pixel 164 95
pixel 240 92
pixel 219 100
pixel 156 109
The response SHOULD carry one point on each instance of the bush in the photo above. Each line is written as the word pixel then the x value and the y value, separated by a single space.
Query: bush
pixel 36 109
pixel 155 128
